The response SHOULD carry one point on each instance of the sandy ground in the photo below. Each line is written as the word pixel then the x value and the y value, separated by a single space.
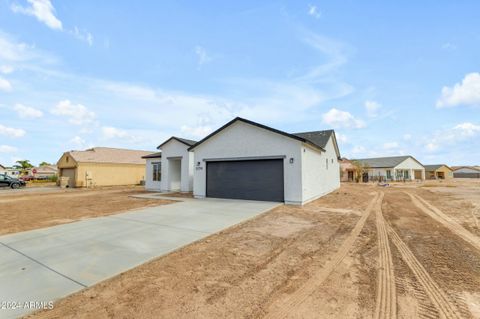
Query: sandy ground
pixel 22 211
pixel 361 252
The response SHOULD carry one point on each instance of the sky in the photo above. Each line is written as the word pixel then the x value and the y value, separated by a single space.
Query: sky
pixel 392 78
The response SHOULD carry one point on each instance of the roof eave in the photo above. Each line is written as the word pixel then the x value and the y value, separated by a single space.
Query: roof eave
pixel 172 138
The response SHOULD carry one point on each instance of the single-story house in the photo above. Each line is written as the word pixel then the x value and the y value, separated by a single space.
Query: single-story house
pixel 394 168
pixel 438 171
pixel 347 170
pixel 466 172
pixel 102 166
pixel 10 171
pixel 44 171
pixel 248 160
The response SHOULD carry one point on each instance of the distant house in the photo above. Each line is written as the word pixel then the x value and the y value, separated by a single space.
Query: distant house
pixel 10 171
pixel 466 172
pixel 347 170
pixel 102 166
pixel 394 168
pixel 43 172
pixel 438 171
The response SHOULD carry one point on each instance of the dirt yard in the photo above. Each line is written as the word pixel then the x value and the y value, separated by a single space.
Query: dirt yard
pixel 23 210
pixel 361 252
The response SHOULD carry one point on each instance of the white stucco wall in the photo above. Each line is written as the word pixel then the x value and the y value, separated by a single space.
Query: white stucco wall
pixel 411 165
pixel 244 140
pixel 175 148
pixel 149 183
pixel 319 179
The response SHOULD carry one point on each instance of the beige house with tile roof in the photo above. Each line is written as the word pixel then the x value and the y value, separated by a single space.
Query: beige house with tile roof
pixel 102 166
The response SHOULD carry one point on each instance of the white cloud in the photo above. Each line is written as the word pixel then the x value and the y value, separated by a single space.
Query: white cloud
pixel 11 50
pixel 110 132
pixel 467 129
pixel 335 52
pixel 465 93
pixel 314 12
pixel 458 133
pixel 341 138
pixel 11 132
pixel 202 56
pixel 78 141
pixel 372 108
pixel 27 111
pixel 84 36
pixel 357 150
pixel 6 69
pixel 196 131
pixel 390 145
pixel 8 149
pixel 5 85
pixel 77 114
pixel 131 137
pixel 43 10
pixel 341 119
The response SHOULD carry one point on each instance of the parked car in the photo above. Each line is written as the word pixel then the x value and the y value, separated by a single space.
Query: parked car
pixel 27 178
pixel 7 181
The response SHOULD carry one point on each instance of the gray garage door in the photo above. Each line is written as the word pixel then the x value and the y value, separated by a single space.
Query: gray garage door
pixel 254 180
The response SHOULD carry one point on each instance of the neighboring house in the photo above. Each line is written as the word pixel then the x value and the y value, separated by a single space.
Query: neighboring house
pixel 439 171
pixel 172 168
pixel 102 166
pixel 347 170
pixel 395 168
pixel 2 169
pixel 42 172
pixel 466 172
pixel 12 172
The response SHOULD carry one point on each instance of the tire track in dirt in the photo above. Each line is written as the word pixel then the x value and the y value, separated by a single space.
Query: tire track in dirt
pixel 434 292
pixel 298 297
pixel 386 302
pixel 445 220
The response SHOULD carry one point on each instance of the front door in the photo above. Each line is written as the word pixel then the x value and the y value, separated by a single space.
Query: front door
pixel 350 176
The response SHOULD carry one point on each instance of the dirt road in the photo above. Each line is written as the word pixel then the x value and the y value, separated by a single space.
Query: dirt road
pixel 361 252
pixel 22 211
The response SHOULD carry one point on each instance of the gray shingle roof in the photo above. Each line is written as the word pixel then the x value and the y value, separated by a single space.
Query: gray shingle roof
pixel 382 162
pixel 181 140
pixel 186 141
pixel 319 138
pixel 153 155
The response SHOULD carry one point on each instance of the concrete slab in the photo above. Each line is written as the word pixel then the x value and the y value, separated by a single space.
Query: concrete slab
pixel 50 263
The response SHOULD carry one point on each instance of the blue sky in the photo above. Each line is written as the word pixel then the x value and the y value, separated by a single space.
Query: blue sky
pixel 390 77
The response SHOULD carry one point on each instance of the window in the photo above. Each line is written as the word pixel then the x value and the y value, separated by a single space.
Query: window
pixel 405 175
pixel 2 177
pixel 157 171
pixel 389 174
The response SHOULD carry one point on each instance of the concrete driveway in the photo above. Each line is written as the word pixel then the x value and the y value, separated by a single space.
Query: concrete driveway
pixel 46 264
